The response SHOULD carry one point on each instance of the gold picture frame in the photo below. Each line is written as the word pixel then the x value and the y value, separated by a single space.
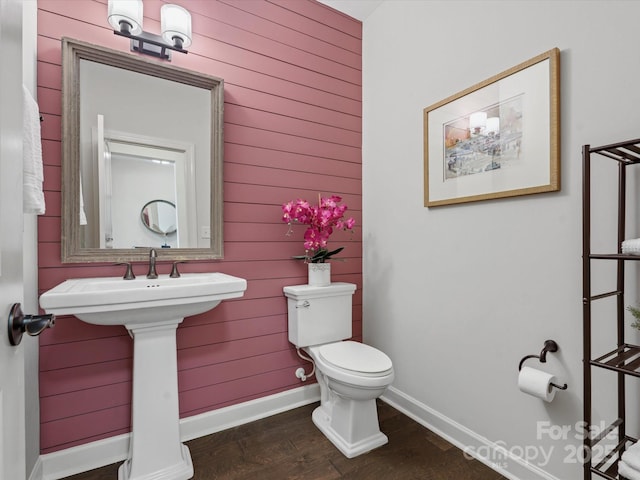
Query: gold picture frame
pixel 499 138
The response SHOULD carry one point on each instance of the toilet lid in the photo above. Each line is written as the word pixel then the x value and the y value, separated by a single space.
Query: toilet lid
pixel 356 357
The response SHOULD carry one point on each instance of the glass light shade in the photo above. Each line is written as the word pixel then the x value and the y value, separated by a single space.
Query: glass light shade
pixel 129 11
pixel 175 21
pixel 477 120
pixel 493 125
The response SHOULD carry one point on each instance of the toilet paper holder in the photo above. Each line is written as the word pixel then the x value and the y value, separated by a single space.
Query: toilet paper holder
pixel 549 346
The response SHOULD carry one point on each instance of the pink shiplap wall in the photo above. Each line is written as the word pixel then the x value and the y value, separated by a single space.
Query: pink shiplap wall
pixel 292 71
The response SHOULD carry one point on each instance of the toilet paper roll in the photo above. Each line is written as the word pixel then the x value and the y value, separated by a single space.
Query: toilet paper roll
pixel 537 383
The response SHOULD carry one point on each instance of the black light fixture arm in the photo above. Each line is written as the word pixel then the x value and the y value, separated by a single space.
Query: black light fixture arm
pixel 150 43
pixel 125 28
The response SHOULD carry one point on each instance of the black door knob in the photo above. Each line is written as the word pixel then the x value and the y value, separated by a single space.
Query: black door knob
pixel 33 325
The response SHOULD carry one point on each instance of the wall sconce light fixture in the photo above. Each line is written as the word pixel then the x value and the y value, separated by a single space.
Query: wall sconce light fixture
pixel 125 16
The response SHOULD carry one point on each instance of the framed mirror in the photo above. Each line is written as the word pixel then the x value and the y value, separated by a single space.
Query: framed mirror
pixel 133 130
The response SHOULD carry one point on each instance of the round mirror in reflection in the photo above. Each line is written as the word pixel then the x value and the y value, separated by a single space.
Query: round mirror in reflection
pixel 159 216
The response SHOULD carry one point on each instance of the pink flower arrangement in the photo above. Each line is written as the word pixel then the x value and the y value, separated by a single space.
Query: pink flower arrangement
pixel 322 219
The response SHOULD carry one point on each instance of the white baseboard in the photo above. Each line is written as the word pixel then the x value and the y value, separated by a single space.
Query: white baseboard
pixel 61 464
pixel 85 457
pixel 36 471
pixel 229 417
pixel 496 456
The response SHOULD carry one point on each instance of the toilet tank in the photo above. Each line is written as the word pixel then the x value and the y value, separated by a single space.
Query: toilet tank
pixel 319 315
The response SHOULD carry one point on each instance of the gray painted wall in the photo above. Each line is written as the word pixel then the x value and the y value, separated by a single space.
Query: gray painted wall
pixel 457 295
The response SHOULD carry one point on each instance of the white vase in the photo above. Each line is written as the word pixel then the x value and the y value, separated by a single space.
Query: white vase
pixel 319 274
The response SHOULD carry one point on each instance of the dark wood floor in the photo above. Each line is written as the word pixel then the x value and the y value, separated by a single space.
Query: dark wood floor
pixel 289 446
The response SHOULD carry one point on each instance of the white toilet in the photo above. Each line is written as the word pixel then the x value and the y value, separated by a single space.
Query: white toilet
pixel 351 375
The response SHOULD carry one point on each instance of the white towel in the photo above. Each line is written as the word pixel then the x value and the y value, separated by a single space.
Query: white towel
pixel 627 471
pixel 631 247
pixel 631 457
pixel 33 196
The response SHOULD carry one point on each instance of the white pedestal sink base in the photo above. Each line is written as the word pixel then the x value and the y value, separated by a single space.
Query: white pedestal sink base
pixel 155 450
pixel 182 471
pixel 151 309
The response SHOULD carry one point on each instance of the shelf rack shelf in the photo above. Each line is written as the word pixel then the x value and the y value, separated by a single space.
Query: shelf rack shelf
pixel 624 359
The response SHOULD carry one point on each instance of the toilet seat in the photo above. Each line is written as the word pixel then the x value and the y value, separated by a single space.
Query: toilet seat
pixel 356 357
pixel 343 362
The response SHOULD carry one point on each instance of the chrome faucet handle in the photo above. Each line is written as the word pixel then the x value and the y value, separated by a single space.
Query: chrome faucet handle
pixel 174 270
pixel 152 264
pixel 128 275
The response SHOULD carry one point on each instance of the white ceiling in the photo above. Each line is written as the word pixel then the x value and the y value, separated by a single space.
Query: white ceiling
pixel 358 9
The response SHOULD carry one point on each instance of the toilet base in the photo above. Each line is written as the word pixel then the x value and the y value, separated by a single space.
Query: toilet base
pixel 348 449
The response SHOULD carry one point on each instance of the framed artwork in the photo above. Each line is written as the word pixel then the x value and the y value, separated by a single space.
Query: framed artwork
pixel 499 138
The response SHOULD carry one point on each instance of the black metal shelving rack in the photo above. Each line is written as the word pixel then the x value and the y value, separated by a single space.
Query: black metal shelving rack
pixel 625 358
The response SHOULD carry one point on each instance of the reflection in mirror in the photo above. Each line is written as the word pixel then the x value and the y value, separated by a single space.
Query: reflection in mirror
pixel 132 169
pixel 135 130
pixel 159 216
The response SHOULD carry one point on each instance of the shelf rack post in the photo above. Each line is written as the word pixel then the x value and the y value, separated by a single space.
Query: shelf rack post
pixel 586 302
pixel 625 359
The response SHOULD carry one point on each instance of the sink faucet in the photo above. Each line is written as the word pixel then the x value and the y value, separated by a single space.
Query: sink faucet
pixel 152 264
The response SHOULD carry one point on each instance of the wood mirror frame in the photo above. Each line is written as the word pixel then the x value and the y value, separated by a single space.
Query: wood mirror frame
pixel 73 51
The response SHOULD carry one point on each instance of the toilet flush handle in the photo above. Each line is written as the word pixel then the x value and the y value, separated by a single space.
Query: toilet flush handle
pixel 304 304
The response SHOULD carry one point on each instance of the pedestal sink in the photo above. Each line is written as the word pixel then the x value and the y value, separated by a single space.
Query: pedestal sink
pixel 151 310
